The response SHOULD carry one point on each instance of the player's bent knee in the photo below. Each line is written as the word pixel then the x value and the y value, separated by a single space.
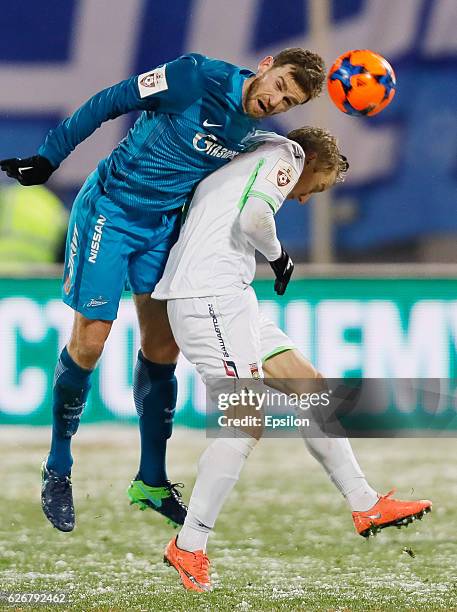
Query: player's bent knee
pixel 162 351
pixel 88 340
pixel 243 443
pixel 245 423
pixel 86 352
pixel 291 373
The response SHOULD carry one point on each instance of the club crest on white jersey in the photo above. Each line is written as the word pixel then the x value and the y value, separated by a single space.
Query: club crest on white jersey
pixel 283 176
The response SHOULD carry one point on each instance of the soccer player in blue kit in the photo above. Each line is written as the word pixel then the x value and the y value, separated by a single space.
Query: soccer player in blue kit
pixel 197 114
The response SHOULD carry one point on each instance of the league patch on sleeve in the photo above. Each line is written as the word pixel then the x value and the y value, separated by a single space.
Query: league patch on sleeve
pixel 152 82
pixel 283 176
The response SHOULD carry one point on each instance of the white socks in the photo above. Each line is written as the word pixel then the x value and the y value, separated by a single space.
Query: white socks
pixel 219 468
pixel 337 458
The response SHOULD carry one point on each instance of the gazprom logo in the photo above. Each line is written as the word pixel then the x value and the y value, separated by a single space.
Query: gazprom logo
pixel 207 143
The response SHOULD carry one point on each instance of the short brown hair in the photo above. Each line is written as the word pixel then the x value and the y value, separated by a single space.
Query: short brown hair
pixel 308 69
pixel 320 141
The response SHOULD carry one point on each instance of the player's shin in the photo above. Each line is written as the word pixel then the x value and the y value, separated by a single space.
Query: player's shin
pixel 337 458
pixel 154 392
pixel 219 469
pixel 71 388
pixel 291 373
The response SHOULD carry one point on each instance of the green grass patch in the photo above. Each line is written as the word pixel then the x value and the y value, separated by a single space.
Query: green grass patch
pixel 284 541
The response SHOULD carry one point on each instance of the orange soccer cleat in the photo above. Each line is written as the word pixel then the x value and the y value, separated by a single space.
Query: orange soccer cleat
pixel 192 567
pixel 389 512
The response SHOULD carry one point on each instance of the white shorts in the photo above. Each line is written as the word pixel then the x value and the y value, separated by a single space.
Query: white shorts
pixel 225 336
pixel 273 340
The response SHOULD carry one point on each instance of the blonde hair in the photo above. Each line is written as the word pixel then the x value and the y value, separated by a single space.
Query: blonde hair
pixel 320 141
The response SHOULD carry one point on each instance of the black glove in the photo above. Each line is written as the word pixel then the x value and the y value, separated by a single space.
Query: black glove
pixel 29 171
pixel 283 268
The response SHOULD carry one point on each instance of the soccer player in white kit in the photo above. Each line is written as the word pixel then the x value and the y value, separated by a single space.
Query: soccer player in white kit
pixel 214 316
pixel 212 308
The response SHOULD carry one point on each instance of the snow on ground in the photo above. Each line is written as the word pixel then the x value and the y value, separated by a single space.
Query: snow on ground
pixel 284 541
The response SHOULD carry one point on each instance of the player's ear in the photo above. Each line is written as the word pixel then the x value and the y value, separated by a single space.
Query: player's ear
pixel 265 64
pixel 310 157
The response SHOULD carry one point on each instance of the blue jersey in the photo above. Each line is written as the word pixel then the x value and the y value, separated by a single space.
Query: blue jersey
pixel 192 123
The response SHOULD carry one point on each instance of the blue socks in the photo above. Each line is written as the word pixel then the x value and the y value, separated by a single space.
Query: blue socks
pixel 71 387
pixel 154 391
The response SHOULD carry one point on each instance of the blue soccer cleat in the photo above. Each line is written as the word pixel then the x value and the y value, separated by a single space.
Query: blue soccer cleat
pixel 57 499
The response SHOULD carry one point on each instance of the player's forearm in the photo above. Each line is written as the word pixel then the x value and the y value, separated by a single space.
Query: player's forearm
pixel 107 104
pixel 258 224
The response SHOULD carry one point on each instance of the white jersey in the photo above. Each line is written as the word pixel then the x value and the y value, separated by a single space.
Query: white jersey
pixel 212 255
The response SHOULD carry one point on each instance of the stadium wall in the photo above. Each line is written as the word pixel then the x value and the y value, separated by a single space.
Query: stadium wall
pixel 349 324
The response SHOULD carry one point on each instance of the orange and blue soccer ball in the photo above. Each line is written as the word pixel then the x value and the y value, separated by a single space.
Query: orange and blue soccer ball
pixel 361 82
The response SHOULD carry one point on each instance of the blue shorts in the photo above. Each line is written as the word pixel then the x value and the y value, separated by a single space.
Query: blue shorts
pixel 108 245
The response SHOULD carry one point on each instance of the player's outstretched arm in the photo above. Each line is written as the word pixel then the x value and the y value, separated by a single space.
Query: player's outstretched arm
pixel 108 104
pixel 60 141
pixel 169 88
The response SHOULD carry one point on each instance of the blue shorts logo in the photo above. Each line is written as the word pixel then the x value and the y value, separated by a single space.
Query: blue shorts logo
pixel 71 260
pixel 96 302
pixel 96 239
